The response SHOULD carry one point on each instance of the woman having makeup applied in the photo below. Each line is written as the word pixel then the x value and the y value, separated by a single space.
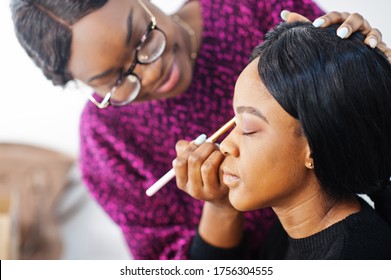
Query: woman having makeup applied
pixel 157 78
pixel 313 130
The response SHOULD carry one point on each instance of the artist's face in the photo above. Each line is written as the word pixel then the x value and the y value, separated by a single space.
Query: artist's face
pixel 100 50
pixel 266 153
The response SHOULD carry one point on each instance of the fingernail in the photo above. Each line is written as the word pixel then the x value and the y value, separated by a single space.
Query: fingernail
pixel 173 162
pixel 372 42
pixel 200 139
pixel 318 22
pixel 342 32
pixel 284 14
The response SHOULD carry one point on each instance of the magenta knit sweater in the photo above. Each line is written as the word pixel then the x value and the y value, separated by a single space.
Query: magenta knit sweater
pixel 124 150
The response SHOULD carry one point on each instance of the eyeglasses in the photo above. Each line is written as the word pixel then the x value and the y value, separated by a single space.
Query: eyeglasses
pixel 148 50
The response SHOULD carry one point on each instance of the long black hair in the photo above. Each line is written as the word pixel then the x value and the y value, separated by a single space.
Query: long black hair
pixel 340 92
pixel 43 28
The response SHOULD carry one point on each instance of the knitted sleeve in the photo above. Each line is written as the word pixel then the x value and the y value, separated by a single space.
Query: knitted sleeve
pixel 201 250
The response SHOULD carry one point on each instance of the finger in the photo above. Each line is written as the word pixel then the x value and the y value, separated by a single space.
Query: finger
pixel 355 22
pixel 350 23
pixel 383 47
pixel 386 50
pixel 180 164
pixel 180 168
pixel 182 145
pixel 388 55
pixel 330 18
pixel 213 189
pixel 195 162
pixel 291 17
pixel 373 38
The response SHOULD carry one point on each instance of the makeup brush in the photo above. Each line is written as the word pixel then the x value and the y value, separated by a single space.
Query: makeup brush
pixel 171 174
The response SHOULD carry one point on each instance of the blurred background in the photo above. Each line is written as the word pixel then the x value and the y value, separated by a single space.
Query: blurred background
pixel 34 113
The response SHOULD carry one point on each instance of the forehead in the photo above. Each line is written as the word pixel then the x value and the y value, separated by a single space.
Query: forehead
pixel 99 36
pixel 249 88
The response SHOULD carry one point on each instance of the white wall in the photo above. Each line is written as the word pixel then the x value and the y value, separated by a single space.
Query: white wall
pixel 33 111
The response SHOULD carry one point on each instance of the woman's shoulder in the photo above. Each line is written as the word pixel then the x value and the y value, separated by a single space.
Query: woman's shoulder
pixel 367 235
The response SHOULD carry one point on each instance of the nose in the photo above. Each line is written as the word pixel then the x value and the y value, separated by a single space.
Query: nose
pixel 228 146
pixel 150 74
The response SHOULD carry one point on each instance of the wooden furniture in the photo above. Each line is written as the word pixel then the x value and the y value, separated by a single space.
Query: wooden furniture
pixel 31 181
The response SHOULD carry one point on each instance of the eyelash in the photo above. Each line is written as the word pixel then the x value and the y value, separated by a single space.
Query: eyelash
pixel 244 133
pixel 247 133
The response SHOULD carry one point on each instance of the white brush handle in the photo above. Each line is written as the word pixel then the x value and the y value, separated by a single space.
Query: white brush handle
pixel 160 183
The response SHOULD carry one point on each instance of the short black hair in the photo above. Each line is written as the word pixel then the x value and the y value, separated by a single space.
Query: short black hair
pixel 43 28
pixel 340 92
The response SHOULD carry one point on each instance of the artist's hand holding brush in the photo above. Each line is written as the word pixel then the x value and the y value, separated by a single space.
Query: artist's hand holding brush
pixel 197 171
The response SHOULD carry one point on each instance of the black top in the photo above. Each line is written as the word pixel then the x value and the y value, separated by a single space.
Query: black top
pixel 363 235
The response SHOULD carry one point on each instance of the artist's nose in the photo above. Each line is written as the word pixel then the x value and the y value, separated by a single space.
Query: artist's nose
pixel 150 74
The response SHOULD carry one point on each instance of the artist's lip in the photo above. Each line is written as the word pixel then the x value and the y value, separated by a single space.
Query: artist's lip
pixel 230 179
pixel 170 80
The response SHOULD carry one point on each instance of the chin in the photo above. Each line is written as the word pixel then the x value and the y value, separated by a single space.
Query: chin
pixel 185 82
pixel 239 202
pixel 182 87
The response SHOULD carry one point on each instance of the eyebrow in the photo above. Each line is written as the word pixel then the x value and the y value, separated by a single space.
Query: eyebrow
pixel 130 27
pixel 129 24
pixel 252 111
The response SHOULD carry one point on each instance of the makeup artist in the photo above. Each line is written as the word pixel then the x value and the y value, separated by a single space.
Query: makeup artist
pixel 156 79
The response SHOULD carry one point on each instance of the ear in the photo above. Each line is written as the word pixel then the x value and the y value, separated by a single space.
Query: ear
pixel 309 161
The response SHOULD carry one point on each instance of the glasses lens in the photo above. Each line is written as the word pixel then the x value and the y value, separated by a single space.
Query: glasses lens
pixel 153 46
pixel 127 91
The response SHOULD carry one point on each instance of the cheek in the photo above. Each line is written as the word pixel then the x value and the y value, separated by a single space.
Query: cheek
pixel 268 173
pixel 186 68
pixel 252 169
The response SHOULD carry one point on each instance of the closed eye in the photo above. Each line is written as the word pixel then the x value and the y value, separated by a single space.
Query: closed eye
pixel 248 133
pixel 242 132
pixel 246 128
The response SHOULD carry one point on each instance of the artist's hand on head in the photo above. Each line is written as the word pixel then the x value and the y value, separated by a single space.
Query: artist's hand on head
pixel 197 171
pixel 350 23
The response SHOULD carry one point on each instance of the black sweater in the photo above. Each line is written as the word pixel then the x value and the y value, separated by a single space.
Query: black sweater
pixel 363 235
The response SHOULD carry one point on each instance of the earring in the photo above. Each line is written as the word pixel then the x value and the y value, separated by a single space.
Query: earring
pixel 310 165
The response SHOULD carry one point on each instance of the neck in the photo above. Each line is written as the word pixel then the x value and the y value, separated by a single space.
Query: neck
pixel 315 213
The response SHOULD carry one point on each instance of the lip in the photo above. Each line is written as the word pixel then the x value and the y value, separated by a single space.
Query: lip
pixel 170 80
pixel 230 179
